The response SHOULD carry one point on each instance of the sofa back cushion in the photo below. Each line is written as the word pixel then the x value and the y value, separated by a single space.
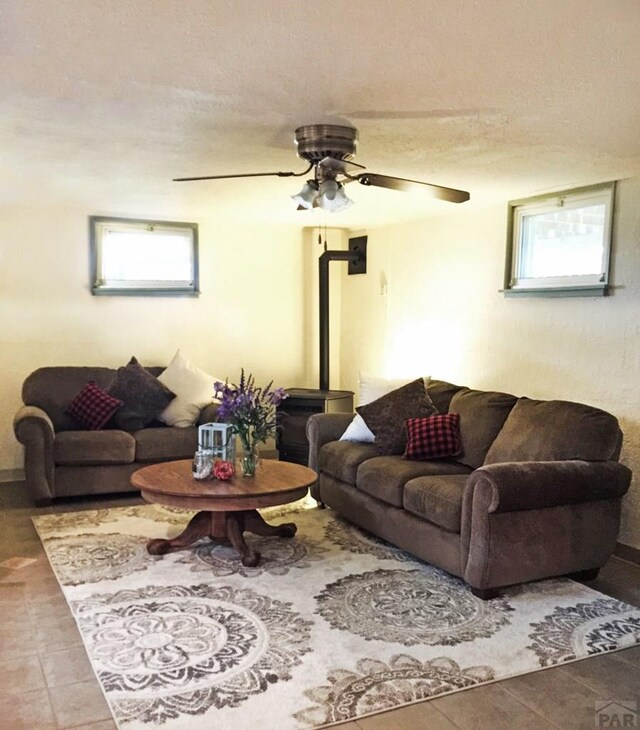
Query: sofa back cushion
pixel 441 393
pixel 482 416
pixel 556 430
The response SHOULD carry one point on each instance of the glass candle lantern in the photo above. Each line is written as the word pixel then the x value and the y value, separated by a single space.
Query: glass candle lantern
pixel 218 440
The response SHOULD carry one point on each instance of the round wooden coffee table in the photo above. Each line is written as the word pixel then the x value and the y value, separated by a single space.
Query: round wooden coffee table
pixel 228 508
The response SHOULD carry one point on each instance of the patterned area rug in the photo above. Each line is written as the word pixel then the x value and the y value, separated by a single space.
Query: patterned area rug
pixel 332 625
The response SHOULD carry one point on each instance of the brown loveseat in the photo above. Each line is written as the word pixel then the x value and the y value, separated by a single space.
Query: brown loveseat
pixel 61 461
pixel 535 493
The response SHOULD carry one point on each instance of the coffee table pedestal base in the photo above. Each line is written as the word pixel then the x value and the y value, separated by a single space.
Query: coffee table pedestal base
pixel 224 526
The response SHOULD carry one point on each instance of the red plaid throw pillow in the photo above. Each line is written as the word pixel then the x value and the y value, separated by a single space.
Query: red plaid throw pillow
pixel 93 407
pixel 433 437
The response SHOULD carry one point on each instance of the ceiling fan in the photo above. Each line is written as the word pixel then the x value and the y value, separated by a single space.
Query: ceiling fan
pixel 328 148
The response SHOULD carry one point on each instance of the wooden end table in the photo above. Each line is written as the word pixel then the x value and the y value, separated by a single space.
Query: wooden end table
pixel 228 508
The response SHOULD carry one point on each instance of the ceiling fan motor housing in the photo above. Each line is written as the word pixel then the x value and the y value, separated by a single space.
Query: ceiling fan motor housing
pixel 314 142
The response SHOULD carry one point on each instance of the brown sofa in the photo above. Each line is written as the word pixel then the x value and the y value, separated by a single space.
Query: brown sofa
pixel 61 461
pixel 536 492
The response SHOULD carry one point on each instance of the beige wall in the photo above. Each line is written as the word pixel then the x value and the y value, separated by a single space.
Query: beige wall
pixel 429 304
pixel 249 313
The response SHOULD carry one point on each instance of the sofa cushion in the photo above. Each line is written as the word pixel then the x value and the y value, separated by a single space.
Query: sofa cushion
pixel 144 396
pixel 437 499
pixel 555 430
pixel 386 415
pixel 91 448
pixel 441 393
pixel 341 459
pixel 384 477
pixel 165 443
pixel 93 407
pixel 482 415
pixel 434 437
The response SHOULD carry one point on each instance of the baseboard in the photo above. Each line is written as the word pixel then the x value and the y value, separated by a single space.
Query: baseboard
pixel 628 553
pixel 11 475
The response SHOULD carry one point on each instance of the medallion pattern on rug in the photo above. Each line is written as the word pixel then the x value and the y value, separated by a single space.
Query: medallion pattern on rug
pixel 355 540
pixel 85 518
pixel 377 685
pixel 90 558
pixel 410 607
pixel 160 513
pixel 165 651
pixel 278 557
pixel 332 625
pixel 584 629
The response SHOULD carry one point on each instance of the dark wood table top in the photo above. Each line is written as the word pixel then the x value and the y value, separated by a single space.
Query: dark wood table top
pixel 275 482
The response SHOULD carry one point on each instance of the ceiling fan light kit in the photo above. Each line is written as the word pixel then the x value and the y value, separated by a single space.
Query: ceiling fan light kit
pixel 328 195
pixel 328 148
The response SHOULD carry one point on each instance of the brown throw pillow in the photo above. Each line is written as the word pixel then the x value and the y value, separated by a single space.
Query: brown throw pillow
pixel 387 415
pixel 144 396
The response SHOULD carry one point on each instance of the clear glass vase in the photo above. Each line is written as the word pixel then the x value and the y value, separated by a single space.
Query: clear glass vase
pixel 249 461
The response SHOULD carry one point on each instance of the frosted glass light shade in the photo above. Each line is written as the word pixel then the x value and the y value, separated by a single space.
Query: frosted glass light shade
pixel 328 189
pixel 334 199
pixel 308 195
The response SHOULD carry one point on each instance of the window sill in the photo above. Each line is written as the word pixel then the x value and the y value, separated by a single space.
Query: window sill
pixel 145 292
pixel 573 291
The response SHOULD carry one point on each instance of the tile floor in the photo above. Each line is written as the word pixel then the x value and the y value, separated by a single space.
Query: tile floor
pixel 46 682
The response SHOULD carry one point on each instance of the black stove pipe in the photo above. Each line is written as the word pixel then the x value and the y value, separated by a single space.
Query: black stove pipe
pixel 323 262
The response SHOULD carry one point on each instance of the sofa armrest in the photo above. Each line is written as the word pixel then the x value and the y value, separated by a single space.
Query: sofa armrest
pixel 531 520
pixel 515 486
pixel 33 428
pixel 31 424
pixel 323 428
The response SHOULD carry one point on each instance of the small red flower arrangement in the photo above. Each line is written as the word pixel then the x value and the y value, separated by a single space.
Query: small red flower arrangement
pixel 223 470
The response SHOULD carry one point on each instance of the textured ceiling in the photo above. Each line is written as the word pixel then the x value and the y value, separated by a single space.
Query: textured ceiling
pixel 102 102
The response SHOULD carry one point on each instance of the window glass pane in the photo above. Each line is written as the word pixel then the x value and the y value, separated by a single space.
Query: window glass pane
pixel 560 243
pixel 564 242
pixel 135 257
pixel 152 255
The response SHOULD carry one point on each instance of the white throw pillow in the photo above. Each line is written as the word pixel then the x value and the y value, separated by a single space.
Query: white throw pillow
pixel 371 387
pixel 358 430
pixel 193 388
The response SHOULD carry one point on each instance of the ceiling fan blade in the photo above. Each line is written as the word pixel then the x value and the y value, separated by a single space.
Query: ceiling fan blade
pixel 333 163
pixel 451 195
pixel 244 174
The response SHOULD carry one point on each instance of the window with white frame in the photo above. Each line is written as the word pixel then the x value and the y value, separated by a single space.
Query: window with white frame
pixel 143 257
pixel 559 244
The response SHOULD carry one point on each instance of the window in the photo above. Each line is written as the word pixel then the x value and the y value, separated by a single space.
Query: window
pixel 141 257
pixel 559 244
